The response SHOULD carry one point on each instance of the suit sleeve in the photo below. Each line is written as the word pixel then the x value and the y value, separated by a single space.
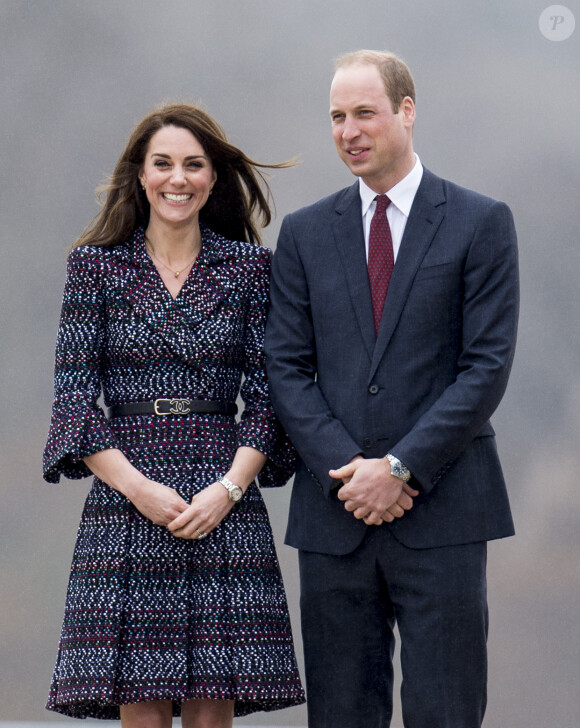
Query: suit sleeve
pixel 490 302
pixel 78 425
pixel 320 438
pixel 259 427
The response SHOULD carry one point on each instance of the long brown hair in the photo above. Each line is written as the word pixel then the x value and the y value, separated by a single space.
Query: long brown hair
pixel 237 208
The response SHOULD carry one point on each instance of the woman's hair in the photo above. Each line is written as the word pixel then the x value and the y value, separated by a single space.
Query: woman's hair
pixel 237 208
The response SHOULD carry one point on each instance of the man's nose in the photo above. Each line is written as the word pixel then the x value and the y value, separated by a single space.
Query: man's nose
pixel 351 130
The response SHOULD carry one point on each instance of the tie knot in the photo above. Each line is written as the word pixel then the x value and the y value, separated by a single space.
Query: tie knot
pixel 382 203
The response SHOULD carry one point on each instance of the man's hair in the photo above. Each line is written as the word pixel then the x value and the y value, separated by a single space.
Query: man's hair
pixel 395 73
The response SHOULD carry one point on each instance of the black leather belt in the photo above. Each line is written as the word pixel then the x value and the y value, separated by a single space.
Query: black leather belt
pixel 164 407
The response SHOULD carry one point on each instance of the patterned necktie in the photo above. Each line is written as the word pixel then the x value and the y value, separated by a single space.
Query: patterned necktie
pixel 381 258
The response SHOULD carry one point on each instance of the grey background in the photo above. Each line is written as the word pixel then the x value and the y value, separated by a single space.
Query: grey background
pixel 497 110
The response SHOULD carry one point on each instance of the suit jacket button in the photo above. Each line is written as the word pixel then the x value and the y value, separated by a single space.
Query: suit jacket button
pixel 373 389
pixel 367 442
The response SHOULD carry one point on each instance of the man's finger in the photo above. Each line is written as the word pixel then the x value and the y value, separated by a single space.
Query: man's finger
pixel 344 472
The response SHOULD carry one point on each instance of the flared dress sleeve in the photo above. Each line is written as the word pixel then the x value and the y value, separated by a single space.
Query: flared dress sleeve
pixel 78 425
pixel 259 427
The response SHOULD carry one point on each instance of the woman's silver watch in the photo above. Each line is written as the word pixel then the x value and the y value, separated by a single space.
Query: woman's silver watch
pixel 398 469
pixel 235 493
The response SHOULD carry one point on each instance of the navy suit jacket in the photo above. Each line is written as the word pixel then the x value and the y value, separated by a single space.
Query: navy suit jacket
pixel 423 389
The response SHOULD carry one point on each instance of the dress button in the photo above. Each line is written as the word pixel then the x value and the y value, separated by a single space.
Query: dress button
pixel 367 442
pixel 373 389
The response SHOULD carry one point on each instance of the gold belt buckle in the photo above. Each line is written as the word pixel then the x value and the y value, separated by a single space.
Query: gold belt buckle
pixel 176 407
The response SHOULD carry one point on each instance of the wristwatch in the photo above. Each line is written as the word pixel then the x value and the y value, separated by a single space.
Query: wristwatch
pixel 398 469
pixel 235 493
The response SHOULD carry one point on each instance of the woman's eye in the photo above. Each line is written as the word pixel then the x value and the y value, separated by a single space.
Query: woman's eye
pixel 161 163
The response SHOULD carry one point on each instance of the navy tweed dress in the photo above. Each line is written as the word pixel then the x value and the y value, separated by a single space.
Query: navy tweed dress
pixel 149 616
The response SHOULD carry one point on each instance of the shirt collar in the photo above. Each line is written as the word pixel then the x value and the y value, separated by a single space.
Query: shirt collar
pixel 401 195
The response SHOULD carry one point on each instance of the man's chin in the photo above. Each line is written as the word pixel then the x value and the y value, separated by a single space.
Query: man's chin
pixel 357 168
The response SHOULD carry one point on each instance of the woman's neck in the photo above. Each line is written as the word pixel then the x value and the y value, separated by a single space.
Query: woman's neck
pixel 173 244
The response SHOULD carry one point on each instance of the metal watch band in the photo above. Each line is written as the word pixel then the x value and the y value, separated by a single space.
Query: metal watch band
pixel 234 491
pixel 398 469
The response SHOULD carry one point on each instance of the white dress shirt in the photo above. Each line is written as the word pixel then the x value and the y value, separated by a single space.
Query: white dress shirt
pixel 401 197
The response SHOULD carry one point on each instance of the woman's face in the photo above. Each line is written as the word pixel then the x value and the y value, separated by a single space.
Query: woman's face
pixel 178 177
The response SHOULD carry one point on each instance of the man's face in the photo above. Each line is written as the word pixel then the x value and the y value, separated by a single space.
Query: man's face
pixel 374 142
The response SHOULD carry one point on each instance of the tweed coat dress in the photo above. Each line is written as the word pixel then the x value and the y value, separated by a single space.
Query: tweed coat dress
pixel 149 616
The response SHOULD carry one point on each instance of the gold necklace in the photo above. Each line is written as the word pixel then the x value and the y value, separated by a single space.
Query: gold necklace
pixel 176 273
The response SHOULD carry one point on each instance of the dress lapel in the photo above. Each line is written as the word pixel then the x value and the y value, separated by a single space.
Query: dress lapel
pixel 207 286
pixel 144 291
pixel 426 214
pixel 179 323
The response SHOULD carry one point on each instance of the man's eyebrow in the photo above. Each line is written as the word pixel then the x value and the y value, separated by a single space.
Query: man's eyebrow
pixel 356 108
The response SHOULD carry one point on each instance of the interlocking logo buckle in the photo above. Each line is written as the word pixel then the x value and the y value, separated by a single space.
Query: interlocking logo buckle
pixel 174 407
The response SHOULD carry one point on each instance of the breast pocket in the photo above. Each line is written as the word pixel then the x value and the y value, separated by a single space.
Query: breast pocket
pixel 435 270
pixel 434 301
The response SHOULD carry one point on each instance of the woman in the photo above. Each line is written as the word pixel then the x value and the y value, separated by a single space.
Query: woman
pixel 175 603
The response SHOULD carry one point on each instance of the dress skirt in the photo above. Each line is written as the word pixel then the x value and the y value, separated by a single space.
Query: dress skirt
pixel 152 617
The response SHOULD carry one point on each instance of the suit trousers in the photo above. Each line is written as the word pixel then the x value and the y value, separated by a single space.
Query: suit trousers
pixel 349 607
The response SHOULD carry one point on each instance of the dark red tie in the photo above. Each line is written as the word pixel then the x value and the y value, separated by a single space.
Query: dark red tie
pixel 381 258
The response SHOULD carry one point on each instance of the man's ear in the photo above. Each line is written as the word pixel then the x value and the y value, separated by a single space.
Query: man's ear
pixel 407 109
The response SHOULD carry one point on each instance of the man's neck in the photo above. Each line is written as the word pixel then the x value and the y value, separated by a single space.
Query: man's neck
pixel 388 180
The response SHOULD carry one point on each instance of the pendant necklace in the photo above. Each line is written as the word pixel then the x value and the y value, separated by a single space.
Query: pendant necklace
pixel 176 273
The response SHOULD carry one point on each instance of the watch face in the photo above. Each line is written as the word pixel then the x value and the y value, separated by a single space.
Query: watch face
pixel 236 494
pixel 398 469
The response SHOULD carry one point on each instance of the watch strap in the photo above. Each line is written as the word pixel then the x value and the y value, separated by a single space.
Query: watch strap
pixel 231 488
pixel 398 469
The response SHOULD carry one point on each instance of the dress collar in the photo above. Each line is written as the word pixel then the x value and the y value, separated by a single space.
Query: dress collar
pixel 214 248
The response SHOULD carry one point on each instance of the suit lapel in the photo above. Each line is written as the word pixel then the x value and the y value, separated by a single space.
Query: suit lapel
pixel 426 214
pixel 349 236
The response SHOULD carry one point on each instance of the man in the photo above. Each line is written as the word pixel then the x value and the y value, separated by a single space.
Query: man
pixel 385 378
